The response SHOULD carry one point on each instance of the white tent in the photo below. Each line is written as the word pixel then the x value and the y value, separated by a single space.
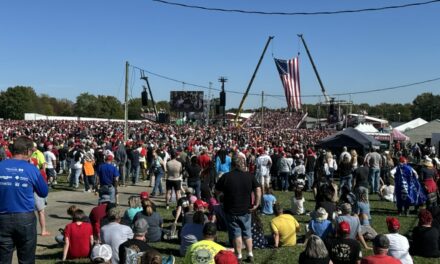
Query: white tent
pixel 411 124
pixel 366 128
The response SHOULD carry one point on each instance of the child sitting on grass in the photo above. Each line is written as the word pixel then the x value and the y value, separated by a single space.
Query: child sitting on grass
pixel 268 201
pixel 298 202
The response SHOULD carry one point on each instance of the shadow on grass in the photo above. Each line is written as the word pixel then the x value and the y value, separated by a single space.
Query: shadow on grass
pixel 49 246
pixel 76 202
pixel 59 217
pixel 51 256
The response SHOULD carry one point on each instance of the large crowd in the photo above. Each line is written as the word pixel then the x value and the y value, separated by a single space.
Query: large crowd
pixel 222 179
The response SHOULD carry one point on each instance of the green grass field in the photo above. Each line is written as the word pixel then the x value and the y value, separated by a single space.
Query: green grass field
pixel 379 211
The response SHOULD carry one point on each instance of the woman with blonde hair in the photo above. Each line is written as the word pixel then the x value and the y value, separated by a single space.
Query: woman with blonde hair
pixel 134 206
pixel 354 159
pixel 330 165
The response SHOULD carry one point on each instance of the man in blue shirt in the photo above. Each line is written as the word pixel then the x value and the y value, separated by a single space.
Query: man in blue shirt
pixel 108 178
pixel 18 181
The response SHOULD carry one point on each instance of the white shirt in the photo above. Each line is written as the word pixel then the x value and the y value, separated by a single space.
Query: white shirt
pixel 298 205
pixel 399 248
pixel 50 159
pixel 263 165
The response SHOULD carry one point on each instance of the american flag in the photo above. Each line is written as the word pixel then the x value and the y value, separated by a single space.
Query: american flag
pixel 289 73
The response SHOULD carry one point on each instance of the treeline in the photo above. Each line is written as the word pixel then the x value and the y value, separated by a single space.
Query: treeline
pixel 18 100
pixel 15 101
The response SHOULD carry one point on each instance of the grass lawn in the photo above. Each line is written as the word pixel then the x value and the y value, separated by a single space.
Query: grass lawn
pixel 379 211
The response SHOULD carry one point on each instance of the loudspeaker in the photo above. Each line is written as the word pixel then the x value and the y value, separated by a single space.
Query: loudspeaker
pixel 144 95
pixel 164 118
pixel 222 98
pixel 217 109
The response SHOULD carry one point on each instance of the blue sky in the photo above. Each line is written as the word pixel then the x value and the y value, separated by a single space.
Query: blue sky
pixel 64 48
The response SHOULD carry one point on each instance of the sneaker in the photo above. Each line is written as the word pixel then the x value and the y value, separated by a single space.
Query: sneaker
pixel 169 260
pixel 54 183
pixel 167 207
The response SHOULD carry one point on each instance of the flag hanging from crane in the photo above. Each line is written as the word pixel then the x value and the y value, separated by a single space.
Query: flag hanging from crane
pixel 289 73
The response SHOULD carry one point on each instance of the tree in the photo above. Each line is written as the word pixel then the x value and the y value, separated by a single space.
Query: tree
pixel 426 106
pixel 135 109
pixel 86 105
pixel 45 105
pixel 16 101
pixel 109 107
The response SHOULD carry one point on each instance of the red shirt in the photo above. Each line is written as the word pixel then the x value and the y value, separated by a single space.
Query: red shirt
pixel 96 215
pixel 79 238
pixel 380 259
pixel 204 161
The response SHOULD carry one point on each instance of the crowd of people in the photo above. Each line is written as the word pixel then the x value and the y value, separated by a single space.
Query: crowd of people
pixel 223 179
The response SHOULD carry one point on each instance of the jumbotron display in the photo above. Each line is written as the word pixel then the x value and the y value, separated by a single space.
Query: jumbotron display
pixel 186 101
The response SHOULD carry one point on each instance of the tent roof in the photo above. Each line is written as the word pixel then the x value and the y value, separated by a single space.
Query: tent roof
pixel 411 124
pixel 351 138
pixel 366 128
pixel 397 135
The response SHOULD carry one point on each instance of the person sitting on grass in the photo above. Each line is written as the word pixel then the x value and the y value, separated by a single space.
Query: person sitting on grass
pixel 355 225
pixel 425 238
pixel 298 202
pixel 315 252
pixel 399 245
pixel 380 249
pixel 342 248
pixel 284 228
pixel 258 238
pixel 192 232
pixel 78 237
pixel 134 207
pixel 101 254
pixel 320 225
pixel 154 220
pixel 205 250
pixel 268 201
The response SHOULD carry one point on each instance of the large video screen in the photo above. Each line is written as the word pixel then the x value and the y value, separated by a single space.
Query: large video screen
pixel 181 101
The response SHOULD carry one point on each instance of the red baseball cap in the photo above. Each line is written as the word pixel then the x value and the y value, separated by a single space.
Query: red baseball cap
pixel 344 227
pixel 393 223
pixel 144 195
pixel 200 203
pixel 225 257
pixel 402 159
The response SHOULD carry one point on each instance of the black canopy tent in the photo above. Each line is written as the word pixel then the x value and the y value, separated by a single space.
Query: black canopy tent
pixel 350 138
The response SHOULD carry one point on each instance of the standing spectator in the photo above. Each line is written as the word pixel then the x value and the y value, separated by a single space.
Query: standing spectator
pixel 428 175
pixel 114 233
pixel 108 178
pixel 50 165
pixel 237 187
pixel 330 165
pixel 361 180
pixel 204 159
pixel 78 237
pixel 399 245
pixel 284 171
pixel 380 248
pixel 142 160
pixel 374 162
pixel 121 160
pixel 174 178
pixel 76 166
pixel 345 172
pixel 263 165
pixel 194 172
pixel 274 172
pixel 284 228
pixel 222 162
pixel 157 167
pixel 342 248
pixel 89 171
pixel 17 218
pixel 315 252
pixel 310 162
pixel 135 165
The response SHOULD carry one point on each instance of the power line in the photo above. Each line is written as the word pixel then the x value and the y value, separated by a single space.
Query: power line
pixel 302 96
pixel 372 9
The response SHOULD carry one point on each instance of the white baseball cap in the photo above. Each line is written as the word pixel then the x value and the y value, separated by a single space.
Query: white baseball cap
pixel 103 251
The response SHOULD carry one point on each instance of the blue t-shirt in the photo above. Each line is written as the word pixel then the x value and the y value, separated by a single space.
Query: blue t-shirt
pixel 106 173
pixel 268 201
pixel 223 167
pixel 18 181
pixel 321 228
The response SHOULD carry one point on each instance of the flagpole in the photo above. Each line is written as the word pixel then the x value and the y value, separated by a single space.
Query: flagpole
pixel 262 109
pixel 127 66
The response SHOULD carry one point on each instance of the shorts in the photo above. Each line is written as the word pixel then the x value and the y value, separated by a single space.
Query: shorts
pixel 239 226
pixel 176 185
pixel 50 173
pixel 264 180
pixel 40 203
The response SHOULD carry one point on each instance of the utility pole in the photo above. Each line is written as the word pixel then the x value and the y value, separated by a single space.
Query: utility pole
pixel 262 110
pixel 223 98
pixel 127 66
pixel 209 103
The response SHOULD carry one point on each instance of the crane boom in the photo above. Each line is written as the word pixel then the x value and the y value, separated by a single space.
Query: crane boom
pixel 326 97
